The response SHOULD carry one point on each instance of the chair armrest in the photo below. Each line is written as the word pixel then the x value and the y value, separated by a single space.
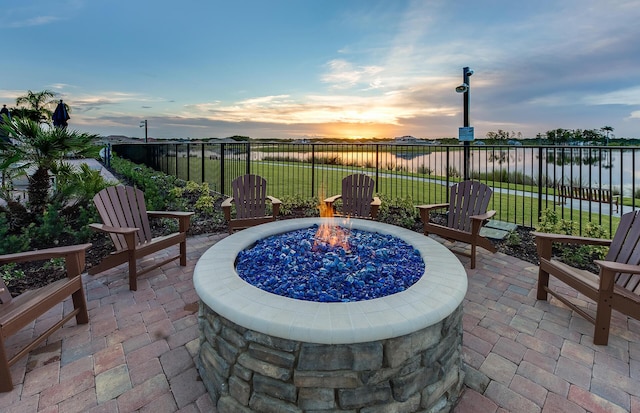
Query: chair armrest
pixel 570 239
pixel 485 216
pixel 114 230
pixel 183 217
pixel 332 199
pixel 44 254
pixel 227 203
pixel 618 267
pixel 431 206
pixel 74 257
pixel 169 214
pixel 426 209
pixel 226 208
pixel 275 205
pixel 544 242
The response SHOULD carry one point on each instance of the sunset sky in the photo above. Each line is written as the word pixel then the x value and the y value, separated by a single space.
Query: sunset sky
pixel 330 68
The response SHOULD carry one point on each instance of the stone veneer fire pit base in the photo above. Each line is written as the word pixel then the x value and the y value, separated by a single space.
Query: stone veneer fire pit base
pixel 260 352
pixel 247 371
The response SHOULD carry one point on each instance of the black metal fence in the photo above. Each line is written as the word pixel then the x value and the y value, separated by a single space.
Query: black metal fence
pixel 526 179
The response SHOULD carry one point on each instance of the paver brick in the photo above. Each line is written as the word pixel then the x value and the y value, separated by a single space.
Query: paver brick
pixel 472 401
pixel 112 383
pixel 498 368
pixel 108 358
pixel 509 349
pixel 540 360
pixel 143 394
pixel 150 351
pixel 532 391
pixel 79 402
pixel 609 392
pixel 544 378
pixel 510 400
pixel 573 372
pixel 592 402
pixel 559 404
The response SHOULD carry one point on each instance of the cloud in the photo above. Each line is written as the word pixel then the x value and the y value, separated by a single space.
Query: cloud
pixel 343 74
pixel 629 96
pixel 16 15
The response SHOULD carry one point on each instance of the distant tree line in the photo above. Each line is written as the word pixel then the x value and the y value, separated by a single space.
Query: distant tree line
pixel 560 136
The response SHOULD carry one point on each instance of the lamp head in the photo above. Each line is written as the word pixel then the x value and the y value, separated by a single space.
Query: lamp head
pixel 462 88
pixel 470 72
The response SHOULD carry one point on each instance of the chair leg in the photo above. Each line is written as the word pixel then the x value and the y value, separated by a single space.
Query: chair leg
pixel 80 302
pixel 543 284
pixel 183 253
pixel 473 255
pixel 133 276
pixel 6 383
pixel 603 320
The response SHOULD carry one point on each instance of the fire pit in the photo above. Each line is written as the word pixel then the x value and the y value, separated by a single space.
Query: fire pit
pixel 263 352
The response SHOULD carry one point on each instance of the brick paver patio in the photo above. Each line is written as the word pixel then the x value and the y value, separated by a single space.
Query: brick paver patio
pixel 136 354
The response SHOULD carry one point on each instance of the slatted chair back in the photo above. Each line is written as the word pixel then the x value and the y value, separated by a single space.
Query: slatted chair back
pixel 357 193
pixel 625 249
pixel 250 195
pixel 124 207
pixel 467 198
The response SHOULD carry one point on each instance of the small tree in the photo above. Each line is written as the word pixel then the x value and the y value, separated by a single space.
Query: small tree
pixel 36 106
pixel 607 131
pixel 41 150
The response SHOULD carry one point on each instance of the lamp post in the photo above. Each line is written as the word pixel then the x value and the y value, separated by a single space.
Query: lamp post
pixel 464 89
pixel 144 123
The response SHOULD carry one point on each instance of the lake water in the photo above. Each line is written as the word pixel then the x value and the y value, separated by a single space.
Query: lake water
pixel 594 167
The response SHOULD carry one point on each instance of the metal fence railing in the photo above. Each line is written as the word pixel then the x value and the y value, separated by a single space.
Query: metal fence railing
pixel 525 179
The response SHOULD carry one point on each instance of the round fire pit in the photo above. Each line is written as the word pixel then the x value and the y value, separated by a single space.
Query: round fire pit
pixel 263 352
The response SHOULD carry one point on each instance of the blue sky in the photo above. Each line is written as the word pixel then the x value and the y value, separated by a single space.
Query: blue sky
pixel 332 68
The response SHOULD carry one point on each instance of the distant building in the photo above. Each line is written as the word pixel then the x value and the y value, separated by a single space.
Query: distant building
pixel 406 139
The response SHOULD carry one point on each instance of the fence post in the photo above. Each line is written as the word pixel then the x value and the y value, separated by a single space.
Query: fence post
pixel 446 174
pixel 202 163
pixel 377 168
pixel 313 169
pixel 248 158
pixel 222 180
pixel 188 162
pixel 539 183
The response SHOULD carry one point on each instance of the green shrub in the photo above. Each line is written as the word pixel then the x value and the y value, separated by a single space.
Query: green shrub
pixel 573 254
pixel 9 273
pixel 10 243
pixel 293 203
pixel 398 211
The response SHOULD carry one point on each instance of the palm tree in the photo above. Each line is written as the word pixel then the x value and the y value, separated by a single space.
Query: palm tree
pixel 36 103
pixel 607 130
pixel 41 149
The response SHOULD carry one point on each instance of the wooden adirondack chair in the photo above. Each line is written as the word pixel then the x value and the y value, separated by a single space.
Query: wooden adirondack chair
pixel 249 195
pixel 357 197
pixel 126 219
pixel 616 287
pixel 467 213
pixel 16 313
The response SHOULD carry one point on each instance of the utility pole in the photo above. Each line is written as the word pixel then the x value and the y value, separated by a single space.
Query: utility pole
pixel 146 136
pixel 467 136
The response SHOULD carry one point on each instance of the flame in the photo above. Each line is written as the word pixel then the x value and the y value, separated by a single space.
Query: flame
pixel 328 233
